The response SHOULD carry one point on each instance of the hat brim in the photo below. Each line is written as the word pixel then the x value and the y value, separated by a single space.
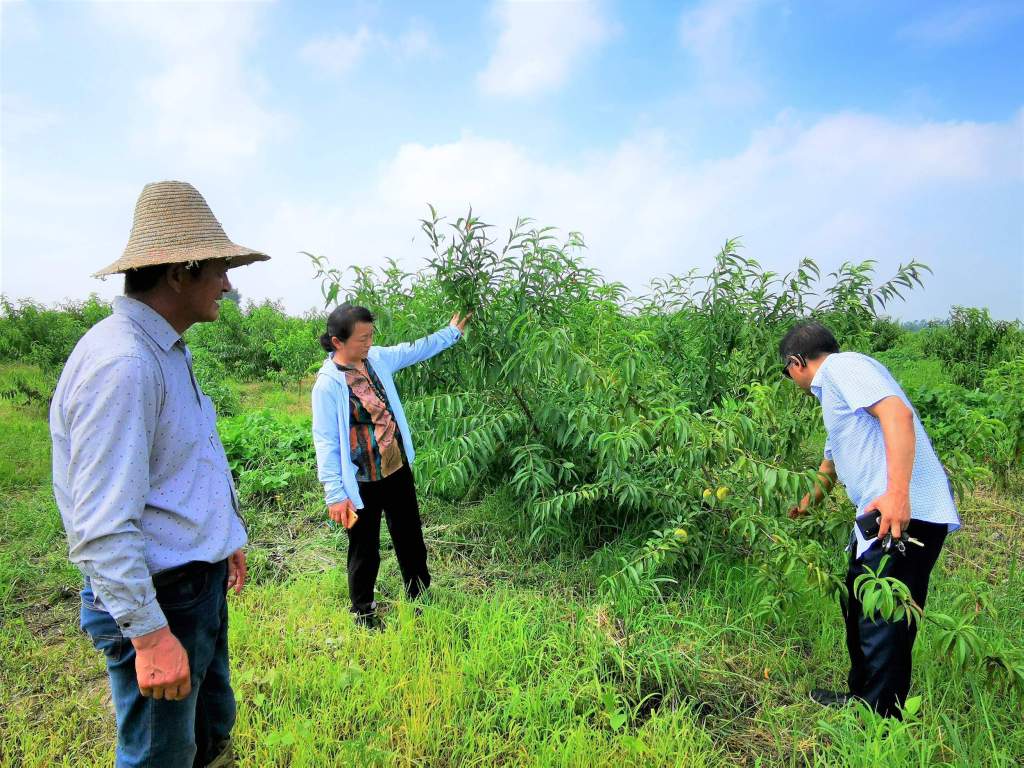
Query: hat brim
pixel 237 256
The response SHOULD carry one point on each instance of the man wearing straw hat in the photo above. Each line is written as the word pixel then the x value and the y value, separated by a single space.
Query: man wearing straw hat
pixel 144 489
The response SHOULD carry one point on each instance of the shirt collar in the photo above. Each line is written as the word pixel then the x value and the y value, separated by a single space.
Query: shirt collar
pixel 816 381
pixel 149 320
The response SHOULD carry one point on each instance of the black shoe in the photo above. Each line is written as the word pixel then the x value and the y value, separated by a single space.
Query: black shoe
pixel 829 698
pixel 225 755
pixel 369 621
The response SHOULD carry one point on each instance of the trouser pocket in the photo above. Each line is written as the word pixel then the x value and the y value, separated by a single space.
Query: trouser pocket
pixel 101 628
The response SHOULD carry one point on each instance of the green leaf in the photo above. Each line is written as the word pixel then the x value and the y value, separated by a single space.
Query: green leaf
pixel 868 602
pixel 912 705
pixel 632 743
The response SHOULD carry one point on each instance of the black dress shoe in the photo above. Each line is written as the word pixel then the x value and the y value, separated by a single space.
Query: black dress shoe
pixel 225 755
pixel 369 621
pixel 829 698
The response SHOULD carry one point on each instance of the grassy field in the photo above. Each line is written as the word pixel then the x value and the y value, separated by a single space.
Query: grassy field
pixel 515 659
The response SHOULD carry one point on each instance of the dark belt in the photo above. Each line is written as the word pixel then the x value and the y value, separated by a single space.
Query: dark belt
pixel 180 573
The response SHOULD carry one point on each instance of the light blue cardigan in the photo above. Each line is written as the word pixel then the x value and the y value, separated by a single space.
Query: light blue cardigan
pixel 335 468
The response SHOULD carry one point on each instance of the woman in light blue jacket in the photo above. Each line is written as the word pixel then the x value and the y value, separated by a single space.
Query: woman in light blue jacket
pixel 364 449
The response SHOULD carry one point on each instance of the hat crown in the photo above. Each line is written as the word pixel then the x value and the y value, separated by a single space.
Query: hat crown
pixel 172 215
pixel 173 224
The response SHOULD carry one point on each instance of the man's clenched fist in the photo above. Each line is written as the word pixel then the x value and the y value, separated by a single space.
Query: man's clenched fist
pixel 161 666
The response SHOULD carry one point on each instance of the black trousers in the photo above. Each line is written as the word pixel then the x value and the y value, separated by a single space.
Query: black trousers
pixel 880 651
pixel 395 497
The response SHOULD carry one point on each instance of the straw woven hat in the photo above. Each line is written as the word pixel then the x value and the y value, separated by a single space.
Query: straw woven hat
pixel 173 224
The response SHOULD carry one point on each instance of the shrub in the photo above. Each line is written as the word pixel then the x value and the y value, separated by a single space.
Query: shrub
pixel 605 412
pixel 970 342
pixel 27 385
pixel 296 350
pixel 260 342
pixel 267 452
pixel 32 333
pixel 213 378
pixel 1005 383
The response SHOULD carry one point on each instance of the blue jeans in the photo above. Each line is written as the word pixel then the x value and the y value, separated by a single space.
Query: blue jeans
pixel 172 734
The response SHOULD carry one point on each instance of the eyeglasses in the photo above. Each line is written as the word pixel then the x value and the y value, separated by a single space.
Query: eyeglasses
pixel 789 361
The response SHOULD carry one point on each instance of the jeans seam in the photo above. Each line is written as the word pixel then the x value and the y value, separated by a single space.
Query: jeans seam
pixel 151 717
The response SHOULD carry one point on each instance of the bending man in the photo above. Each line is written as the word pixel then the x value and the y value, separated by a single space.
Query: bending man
pixel 878 448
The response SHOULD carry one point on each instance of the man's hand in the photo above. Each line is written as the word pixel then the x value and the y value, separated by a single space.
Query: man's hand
pixel 822 485
pixel 237 571
pixel 459 321
pixel 895 509
pixel 161 666
pixel 800 509
pixel 344 512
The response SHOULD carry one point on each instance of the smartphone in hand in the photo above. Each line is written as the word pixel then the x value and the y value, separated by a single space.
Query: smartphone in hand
pixel 869 523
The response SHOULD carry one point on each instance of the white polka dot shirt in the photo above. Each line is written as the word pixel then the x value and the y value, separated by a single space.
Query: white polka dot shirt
pixel 139 471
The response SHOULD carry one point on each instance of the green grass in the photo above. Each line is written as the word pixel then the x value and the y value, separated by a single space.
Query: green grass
pixel 515 659
pixel 24 446
pixel 502 678
pixel 291 398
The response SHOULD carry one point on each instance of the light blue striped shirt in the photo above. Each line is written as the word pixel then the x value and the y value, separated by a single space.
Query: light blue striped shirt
pixel 139 472
pixel 847 384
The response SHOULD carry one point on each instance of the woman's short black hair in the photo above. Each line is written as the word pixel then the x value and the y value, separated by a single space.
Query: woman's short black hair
pixel 809 339
pixel 342 321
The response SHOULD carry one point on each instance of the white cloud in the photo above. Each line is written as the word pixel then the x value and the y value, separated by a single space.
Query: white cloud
pixel 58 229
pixel 846 187
pixel 709 29
pixel 18 20
pixel 416 41
pixel 718 35
pixel 957 24
pixel 23 119
pixel 203 102
pixel 339 54
pixel 541 43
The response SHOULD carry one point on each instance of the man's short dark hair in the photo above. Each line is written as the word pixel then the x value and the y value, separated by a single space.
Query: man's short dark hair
pixel 808 339
pixel 144 279
pixel 342 322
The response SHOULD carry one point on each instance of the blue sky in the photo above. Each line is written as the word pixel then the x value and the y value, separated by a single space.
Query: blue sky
pixel 837 129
